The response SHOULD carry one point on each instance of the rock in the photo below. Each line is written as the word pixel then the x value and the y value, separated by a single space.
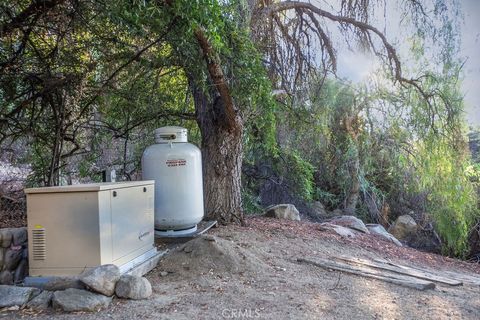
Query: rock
pixel 380 231
pixel 102 279
pixel 16 296
pixel 19 236
pixel 21 272
pixel 350 222
pixel 337 213
pixel 63 283
pixel 319 209
pixel 79 300
pixel 425 240
pixel 133 287
pixel 14 308
pixel 342 231
pixel 283 211
pixel 6 277
pixel 41 302
pixel 164 273
pixel 404 227
pixel 12 258
pixel 2 257
pixel 188 248
pixel 6 236
pixel 208 237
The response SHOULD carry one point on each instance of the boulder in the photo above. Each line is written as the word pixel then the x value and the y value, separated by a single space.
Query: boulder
pixel 133 287
pixel 102 279
pixel 283 211
pixel 63 283
pixel 19 236
pixel 350 222
pixel 342 231
pixel 6 277
pixel 404 227
pixel 2 257
pixel 319 209
pixel 337 212
pixel 21 272
pixel 379 230
pixel 42 301
pixel 71 300
pixel 16 296
pixel 12 258
pixel 6 236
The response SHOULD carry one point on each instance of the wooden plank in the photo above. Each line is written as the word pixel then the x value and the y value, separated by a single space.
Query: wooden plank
pixel 465 278
pixel 397 268
pixel 404 281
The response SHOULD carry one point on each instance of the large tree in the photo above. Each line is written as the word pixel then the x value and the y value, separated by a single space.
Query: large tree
pixel 284 33
pixel 209 40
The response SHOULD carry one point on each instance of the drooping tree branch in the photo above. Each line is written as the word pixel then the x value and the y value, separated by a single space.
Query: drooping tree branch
pixel 37 7
pixel 216 74
pixel 348 16
pixel 325 39
pixel 270 10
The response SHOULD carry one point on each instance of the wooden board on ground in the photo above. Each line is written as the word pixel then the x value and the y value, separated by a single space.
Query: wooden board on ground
pixel 465 278
pixel 404 270
pixel 406 281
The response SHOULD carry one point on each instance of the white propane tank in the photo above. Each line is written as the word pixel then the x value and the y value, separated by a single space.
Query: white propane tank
pixel 176 167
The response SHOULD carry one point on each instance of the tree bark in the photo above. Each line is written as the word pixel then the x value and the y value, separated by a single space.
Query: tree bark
pixel 354 190
pixel 221 126
pixel 222 153
pixel 350 123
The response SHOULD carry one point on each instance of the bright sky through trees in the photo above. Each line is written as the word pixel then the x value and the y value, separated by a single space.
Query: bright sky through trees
pixel 357 66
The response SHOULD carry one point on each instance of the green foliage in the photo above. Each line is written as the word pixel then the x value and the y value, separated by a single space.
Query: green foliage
pixel 91 80
pixel 298 172
pixel 452 198
pixel 251 202
pixel 328 199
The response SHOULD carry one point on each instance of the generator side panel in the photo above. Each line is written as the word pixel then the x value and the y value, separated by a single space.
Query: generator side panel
pixel 105 223
pixel 63 233
pixel 132 229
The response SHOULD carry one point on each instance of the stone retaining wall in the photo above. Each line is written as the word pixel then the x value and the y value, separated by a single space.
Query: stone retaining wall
pixel 13 255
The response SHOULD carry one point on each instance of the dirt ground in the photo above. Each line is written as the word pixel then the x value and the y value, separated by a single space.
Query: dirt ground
pixel 251 273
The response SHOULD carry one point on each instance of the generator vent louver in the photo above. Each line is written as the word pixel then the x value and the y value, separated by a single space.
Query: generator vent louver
pixel 39 249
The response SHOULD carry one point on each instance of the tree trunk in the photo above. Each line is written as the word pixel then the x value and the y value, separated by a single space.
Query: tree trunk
pixel 354 190
pixel 222 153
pixel 221 126
pixel 351 127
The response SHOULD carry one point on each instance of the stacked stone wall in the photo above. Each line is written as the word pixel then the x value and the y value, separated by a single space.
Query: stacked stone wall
pixel 13 255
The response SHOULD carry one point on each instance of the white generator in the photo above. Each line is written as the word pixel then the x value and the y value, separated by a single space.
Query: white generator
pixel 73 228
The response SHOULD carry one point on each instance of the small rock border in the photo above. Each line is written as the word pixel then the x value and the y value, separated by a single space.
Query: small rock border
pixel 100 285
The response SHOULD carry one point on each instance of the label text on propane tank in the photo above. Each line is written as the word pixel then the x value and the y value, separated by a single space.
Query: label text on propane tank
pixel 176 162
